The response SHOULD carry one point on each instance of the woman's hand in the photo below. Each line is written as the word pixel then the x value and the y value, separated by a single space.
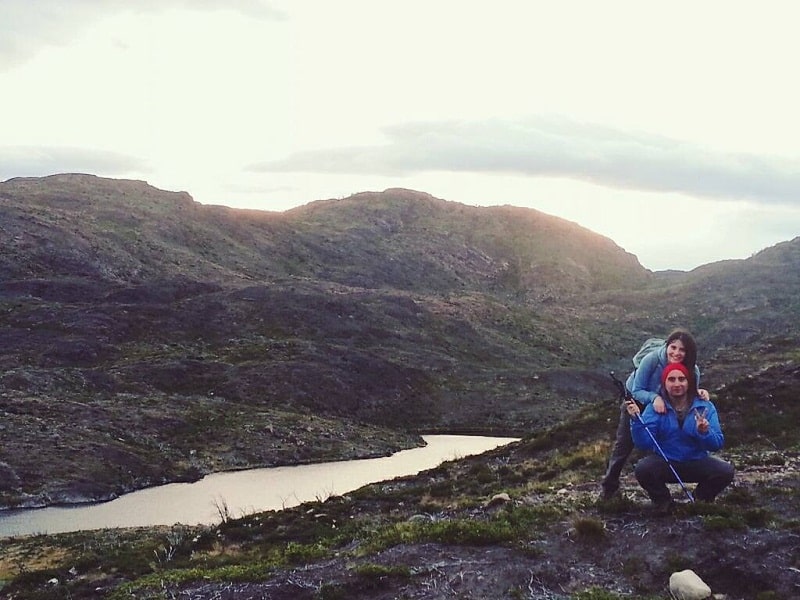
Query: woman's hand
pixel 659 405
pixel 703 394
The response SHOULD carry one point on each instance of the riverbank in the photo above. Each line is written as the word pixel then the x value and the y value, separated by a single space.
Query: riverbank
pixel 517 521
pixel 83 463
pixel 219 495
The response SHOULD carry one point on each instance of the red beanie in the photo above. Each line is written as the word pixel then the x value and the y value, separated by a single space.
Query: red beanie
pixel 673 367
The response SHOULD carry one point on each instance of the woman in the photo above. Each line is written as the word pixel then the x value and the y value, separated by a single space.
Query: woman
pixel 645 386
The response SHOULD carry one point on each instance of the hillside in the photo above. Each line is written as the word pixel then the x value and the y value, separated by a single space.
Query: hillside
pixel 146 338
pixel 383 314
pixel 518 522
pixel 158 316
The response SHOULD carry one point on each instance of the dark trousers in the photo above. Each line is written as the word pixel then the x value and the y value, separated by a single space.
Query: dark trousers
pixel 711 474
pixel 623 446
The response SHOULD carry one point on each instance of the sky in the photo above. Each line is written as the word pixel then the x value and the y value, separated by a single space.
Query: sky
pixel 669 127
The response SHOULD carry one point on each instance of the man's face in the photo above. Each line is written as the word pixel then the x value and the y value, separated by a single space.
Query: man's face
pixel 676 384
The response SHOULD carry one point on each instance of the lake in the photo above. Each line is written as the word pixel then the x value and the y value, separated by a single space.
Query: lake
pixel 243 492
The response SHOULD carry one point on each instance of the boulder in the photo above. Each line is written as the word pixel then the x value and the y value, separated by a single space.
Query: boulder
pixel 687 585
pixel 497 500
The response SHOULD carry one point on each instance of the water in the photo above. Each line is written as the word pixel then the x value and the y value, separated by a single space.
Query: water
pixel 242 492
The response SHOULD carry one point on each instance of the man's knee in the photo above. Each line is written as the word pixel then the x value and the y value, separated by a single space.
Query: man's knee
pixel 645 470
pixel 726 472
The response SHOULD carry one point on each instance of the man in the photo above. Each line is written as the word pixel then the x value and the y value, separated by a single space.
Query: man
pixel 686 434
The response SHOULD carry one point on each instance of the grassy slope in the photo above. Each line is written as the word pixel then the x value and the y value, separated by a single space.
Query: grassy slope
pixel 414 535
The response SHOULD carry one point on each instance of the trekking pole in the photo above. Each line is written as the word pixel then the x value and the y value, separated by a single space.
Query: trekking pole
pixel 626 395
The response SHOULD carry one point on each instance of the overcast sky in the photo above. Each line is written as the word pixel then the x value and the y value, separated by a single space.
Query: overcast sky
pixel 670 127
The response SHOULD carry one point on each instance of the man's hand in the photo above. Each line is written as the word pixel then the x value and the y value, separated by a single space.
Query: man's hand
pixel 659 405
pixel 703 394
pixel 702 422
pixel 632 408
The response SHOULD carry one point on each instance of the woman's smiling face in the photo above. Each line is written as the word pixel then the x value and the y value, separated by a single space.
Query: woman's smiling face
pixel 676 352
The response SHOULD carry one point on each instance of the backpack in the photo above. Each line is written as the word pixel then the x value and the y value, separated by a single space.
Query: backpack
pixel 648 346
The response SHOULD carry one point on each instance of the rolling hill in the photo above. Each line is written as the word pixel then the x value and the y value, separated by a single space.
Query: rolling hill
pixel 140 330
pixel 145 338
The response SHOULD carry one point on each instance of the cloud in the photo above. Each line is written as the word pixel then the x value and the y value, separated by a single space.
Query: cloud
pixel 555 147
pixel 37 161
pixel 28 27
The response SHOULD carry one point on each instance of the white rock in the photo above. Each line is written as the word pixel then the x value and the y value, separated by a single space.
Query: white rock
pixel 687 585
pixel 497 499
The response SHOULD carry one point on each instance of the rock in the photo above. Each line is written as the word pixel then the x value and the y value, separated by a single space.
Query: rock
pixel 497 500
pixel 9 480
pixel 687 585
pixel 418 518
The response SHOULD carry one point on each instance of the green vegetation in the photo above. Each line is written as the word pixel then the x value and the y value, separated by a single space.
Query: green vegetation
pixel 153 339
pixel 589 529
pixel 361 530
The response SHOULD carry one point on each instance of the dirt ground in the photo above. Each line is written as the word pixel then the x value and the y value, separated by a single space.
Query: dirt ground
pixel 634 558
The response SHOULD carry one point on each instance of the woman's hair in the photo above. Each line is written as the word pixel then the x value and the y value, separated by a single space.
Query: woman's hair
pixel 690 358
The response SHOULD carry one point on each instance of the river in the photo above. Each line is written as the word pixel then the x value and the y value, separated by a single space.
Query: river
pixel 242 492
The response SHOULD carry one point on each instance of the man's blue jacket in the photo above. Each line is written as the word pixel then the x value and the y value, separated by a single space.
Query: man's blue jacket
pixel 679 444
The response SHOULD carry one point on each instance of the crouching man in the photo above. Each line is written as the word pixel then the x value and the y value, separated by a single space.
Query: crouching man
pixel 686 434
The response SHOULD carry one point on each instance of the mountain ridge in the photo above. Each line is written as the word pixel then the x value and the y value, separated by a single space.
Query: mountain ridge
pixel 394 310
pixel 147 339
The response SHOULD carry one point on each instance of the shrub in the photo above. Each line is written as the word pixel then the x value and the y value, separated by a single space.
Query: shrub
pixel 376 571
pixel 589 529
pixel 721 522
